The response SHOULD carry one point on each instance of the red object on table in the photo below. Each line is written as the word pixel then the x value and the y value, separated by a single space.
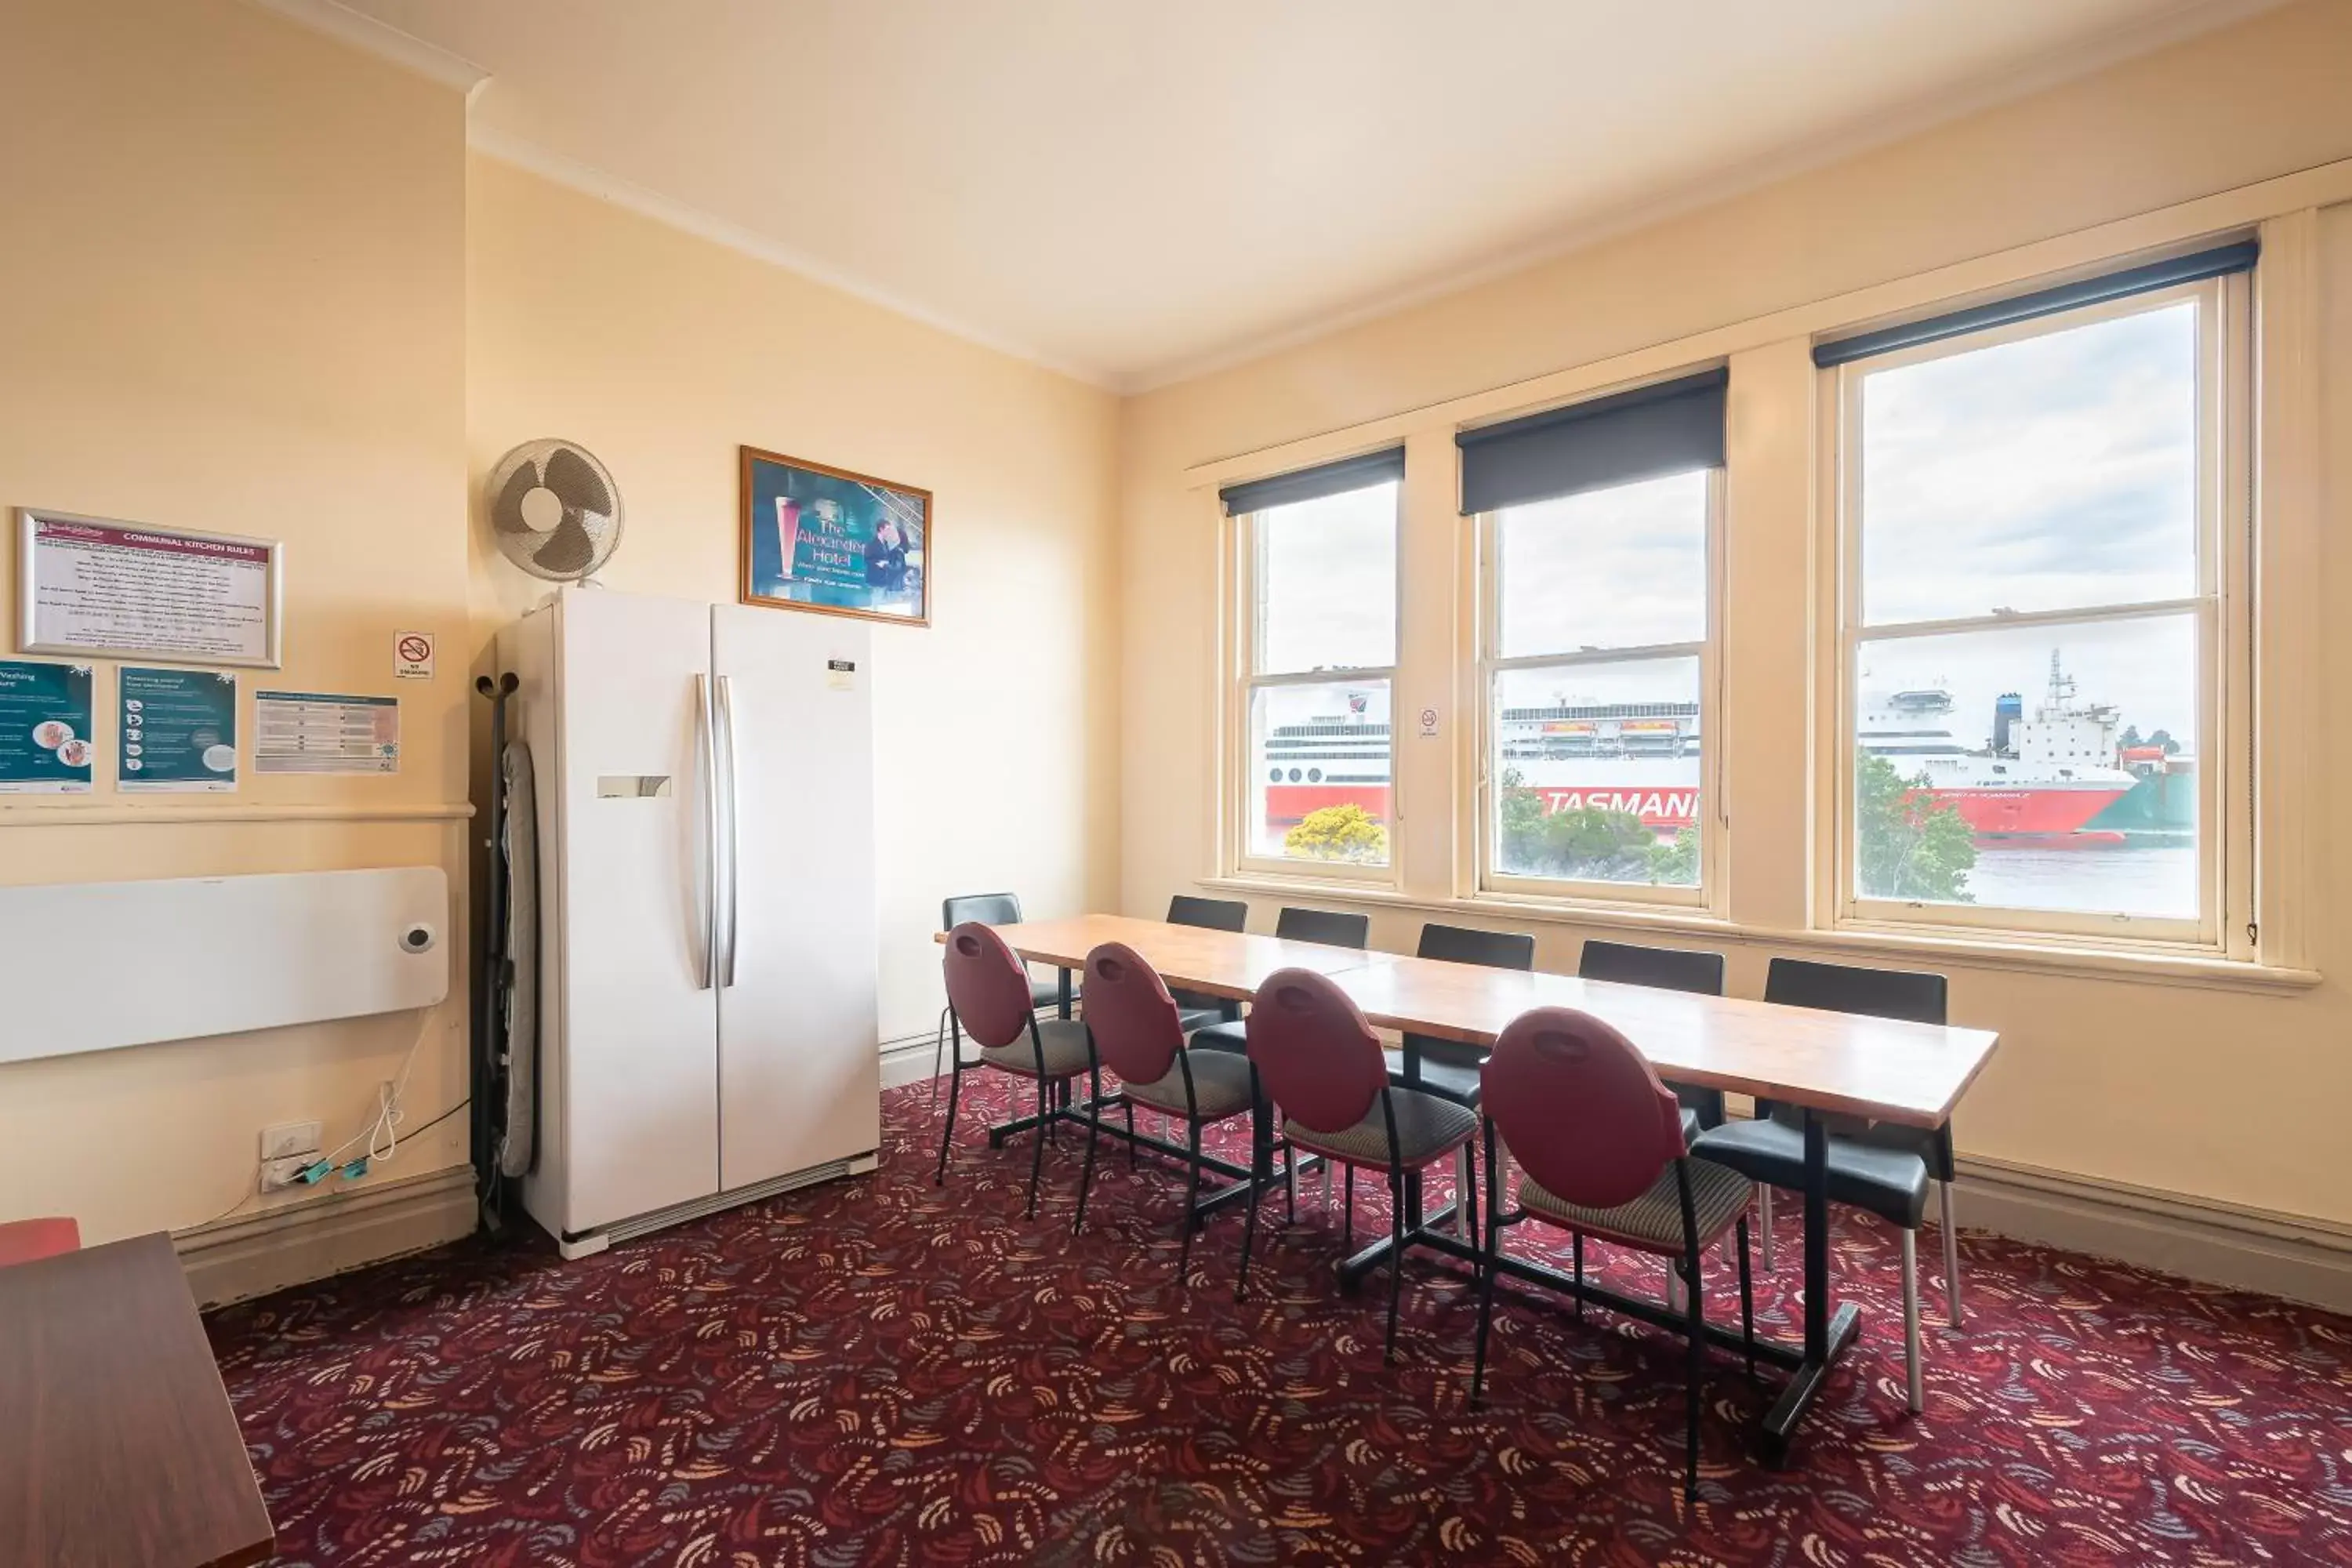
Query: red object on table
pixel 23 1240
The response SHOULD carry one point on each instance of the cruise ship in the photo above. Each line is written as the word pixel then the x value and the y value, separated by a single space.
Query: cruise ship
pixel 2044 774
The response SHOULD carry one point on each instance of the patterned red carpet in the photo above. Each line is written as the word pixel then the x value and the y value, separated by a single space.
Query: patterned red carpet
pixel 880 1372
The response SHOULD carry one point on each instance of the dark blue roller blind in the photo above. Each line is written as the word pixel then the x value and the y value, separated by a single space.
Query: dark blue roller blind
pixel 1314 483
pixel 1667 428
pixel 2155 275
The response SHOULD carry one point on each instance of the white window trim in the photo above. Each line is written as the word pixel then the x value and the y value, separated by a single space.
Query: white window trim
pixel 1236 766
pixel 2221 605
pixel 1488 663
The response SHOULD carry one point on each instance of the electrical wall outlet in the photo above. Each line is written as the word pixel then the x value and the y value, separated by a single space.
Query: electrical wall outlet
pixel 287 1172
pixel 288 1138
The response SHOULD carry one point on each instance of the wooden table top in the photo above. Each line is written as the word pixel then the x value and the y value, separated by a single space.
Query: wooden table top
pixel 118 1449
pixel 1879 1067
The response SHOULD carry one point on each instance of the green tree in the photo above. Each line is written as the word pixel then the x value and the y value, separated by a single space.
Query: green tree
pixel 1907 845
pixel 2163 738
pixel 1345 832
pixel 1587 843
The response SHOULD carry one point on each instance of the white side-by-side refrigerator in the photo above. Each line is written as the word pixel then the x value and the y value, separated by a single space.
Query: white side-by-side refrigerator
pixel 704 811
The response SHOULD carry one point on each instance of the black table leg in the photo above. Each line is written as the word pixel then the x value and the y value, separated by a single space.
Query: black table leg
pixel 1062 1002
pixel 1826 1333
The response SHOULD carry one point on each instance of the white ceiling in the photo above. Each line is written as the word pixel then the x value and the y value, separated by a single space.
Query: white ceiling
pixel 1133 189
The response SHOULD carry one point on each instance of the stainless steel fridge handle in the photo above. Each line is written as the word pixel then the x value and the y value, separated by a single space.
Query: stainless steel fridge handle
pixel 710 834
pixel 734 837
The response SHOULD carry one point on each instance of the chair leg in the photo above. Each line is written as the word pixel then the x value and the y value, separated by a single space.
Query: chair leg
pixel 1128 1106
pixel 1746 1302
pixel 1086 1171
pixel 1911 1320
pixel 1348 1196
pixel 1951 1256
pixel 1192 1195
pixel 1466 1230
pixel 1674 1283
pixel 1486 1303
pixel 1396 1261
pixel 1470 1198
pixel 1695 1364
pixel 1764 1223
pixel 1037 1144
pixel 947 1135
pixel 1249 1234
pixel 1575 1257
pixel 1289 1184
pixel 1327 1186
pixel 938 1055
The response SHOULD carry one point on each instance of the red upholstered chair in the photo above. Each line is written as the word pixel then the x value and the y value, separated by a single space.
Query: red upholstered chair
pixel 988 997
pixel 1320 1062
pixel 1599 1145
pixel 29 1240
pixel 1138 1034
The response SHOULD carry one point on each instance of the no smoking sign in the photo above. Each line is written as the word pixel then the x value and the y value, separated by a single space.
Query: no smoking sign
pixel 412 656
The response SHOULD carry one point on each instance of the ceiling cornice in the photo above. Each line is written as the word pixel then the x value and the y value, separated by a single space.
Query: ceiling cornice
pixel 384 41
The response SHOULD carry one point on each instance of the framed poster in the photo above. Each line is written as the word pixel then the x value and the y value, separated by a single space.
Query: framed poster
pixel 815 538
pixel 92 585
pixel 178 729
pixel 45 726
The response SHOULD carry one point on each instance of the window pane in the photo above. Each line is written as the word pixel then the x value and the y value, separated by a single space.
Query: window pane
pixel 1327 589
pixel 1319 768
pixel 1624 567
pixel 1596 770
pixel 2053 473
pixel 2031 768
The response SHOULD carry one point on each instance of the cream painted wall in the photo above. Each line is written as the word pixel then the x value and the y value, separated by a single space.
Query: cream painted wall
pixel 232 299
pixel 2231 1095
pixel 662 353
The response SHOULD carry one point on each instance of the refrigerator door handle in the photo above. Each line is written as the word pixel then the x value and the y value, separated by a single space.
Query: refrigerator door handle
pixel 710 833
pixel 730 788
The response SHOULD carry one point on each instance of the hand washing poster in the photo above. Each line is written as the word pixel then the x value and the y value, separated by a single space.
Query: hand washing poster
pixel 178 731
pixel 45 723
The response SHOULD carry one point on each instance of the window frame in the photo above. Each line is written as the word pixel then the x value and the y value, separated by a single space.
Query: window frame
pixel 1488 666
pixel 2221 605
pixel 1243 538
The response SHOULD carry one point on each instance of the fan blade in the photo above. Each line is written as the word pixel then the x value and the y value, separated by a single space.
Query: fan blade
pixel 569 549
pixel 506 513
pixel 576 483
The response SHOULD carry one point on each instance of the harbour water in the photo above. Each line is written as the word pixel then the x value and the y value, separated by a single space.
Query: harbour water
pixel 2147 875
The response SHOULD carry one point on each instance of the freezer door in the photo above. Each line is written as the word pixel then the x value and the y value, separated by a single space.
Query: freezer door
pixel 799 1063
pixel 640 1015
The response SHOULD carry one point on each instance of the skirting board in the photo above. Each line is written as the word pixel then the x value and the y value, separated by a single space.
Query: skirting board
pixel 332 1233
pixel 2293 1256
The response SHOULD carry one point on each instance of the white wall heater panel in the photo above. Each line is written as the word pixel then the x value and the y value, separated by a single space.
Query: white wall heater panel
pixel 91 966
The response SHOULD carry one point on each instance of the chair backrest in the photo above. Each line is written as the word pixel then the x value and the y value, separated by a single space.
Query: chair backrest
pixel 1316 1056
pixel 1581 1111
pixel 1330 928
pixel 1908 995
pixel 986 984
pixel 1661 968
pixel 988 908
pixel 1213 915
pixel 1133 1018
pixel 1494 949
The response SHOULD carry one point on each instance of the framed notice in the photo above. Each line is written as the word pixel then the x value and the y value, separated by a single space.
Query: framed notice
pixel 89 585
pixel 178 729
pixel 325 732
pixel 815 538
pixel 44 727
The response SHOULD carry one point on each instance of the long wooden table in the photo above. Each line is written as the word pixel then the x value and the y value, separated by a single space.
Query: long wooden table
pixel 118 1448
pixel 1822 1063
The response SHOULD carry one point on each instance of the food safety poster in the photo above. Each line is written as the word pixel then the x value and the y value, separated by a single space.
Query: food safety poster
pixel 178 731
pixel 45 723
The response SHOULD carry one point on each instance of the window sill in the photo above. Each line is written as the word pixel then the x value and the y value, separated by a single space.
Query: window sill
pixel 2081 961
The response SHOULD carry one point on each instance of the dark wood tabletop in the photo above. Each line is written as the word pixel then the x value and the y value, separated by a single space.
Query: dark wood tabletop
pixel 118 1449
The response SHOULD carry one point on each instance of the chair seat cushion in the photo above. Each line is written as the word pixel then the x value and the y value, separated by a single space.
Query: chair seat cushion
pixel 1221 1086
pixel 1048 993
pixel 1652 1222
pixel 1889 1183
pixel 1067 1053
pixel 1233 1038
pixel 1194 1018
pixel 1427 1127
pixel 1447 1076
pixel 1690 1127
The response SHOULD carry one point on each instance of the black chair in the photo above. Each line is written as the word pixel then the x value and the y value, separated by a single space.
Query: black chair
pixel 1663 968
pixel 1209 914
pixel 1449 1068
pixel 1291 925
pixel 989 909
pixel 1874 1166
